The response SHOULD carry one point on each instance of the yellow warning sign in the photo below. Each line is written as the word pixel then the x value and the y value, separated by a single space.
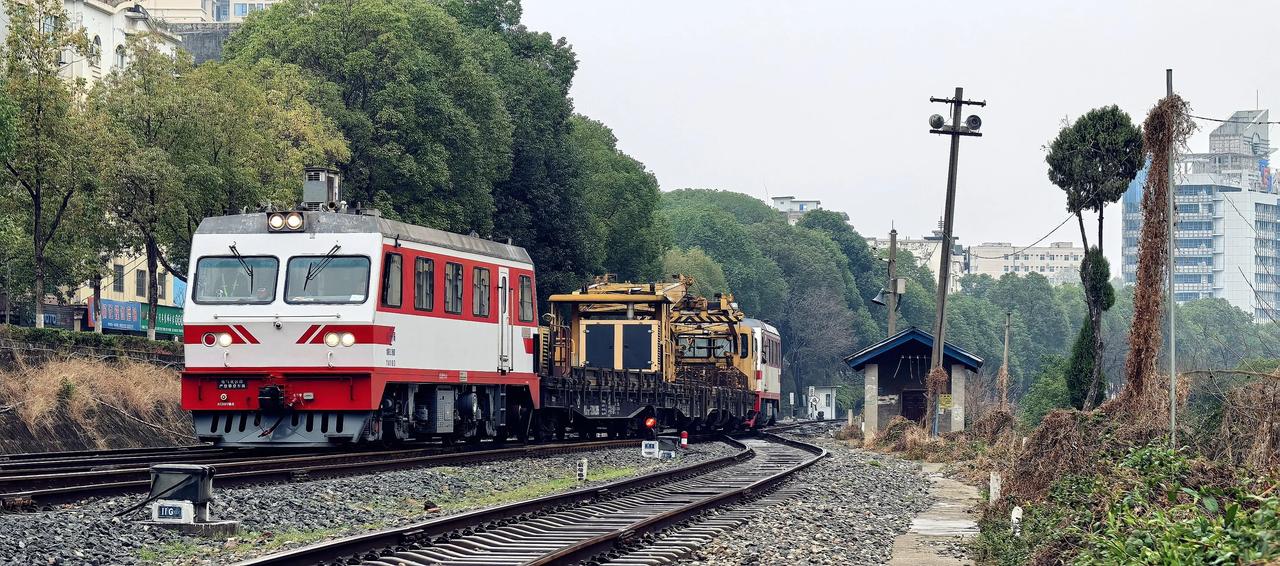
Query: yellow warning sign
pixel 944 401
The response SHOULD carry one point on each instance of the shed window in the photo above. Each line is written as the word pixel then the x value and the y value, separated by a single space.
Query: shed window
pixel 424 284
pixel 480 292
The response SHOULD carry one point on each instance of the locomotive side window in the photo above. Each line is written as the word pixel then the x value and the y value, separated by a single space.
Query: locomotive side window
pixel 744 345
pixel 453 288
pixel 327 279
pixel 424 284
pixel 480 293
pixel 392 280
pixel 244 280
pixel 526 298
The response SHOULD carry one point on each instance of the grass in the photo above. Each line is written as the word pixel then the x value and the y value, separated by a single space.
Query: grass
pixel 169 552
pixel 256 543
pixel 78 386
pixel 259 543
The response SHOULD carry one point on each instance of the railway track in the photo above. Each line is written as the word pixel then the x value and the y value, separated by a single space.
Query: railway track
pixel 618 521
pixel 37 479
pixel 19 491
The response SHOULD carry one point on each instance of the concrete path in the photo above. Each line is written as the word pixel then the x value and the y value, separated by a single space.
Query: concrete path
pixel 936 533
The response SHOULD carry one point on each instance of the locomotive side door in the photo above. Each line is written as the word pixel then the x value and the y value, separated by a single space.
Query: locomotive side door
pixel 504 321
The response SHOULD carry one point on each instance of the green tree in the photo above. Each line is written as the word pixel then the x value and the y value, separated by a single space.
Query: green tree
pixel 540 204
pixel 916 306
pixel 746 208
pixel 1093 161
pixel 250 131
pixel 429 132
pixel 868 271
pixel 1031 299
pixel 48 166
pixel 708 276
pixel 622 199
pixel 977 286
pixel 756 281
pixel 1047 392
pixel 1213 334
pixel 163 147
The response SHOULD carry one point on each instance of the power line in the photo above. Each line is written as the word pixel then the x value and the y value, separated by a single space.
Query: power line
pixel 1033 244
pixel 1229 121
pixel 1046 236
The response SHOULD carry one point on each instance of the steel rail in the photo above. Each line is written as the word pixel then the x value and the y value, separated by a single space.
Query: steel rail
pixel 78 485
pixel 471 521
pixel 634 532
pixel 556 547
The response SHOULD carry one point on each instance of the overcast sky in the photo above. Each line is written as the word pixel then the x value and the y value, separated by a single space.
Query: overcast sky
pixel 829 100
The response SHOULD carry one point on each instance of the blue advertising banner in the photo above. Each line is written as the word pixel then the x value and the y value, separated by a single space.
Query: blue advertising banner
pixel 120 315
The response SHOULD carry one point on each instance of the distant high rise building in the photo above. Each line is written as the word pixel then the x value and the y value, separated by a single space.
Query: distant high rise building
pixel 1225 238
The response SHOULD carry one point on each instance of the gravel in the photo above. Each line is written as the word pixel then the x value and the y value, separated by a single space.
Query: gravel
pixel 857 502
pixel 279 516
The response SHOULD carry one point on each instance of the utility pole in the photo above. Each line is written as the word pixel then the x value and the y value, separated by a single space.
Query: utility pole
pixel 955 129
pixel 893 281
pixel 1004 366
pixel 1173 350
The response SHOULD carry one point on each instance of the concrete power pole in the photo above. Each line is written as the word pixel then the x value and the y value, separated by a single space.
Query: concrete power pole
pixel 1004 367
pixel 893 282
pixel 955 129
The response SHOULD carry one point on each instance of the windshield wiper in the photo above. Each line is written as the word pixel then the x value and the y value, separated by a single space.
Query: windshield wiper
pixel 315 268
pixel 248 270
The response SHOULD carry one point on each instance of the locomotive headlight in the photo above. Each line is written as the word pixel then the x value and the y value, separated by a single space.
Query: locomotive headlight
pixel 224 339
pixel 293 220
pixel 332 339
pixel 275 221
pixel 348 339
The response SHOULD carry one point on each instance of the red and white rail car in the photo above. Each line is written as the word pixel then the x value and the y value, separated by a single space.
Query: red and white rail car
pixel 309 328
pixel 768 378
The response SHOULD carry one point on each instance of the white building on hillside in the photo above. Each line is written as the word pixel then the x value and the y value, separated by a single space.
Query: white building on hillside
pixel 1059 262
pixel 794 209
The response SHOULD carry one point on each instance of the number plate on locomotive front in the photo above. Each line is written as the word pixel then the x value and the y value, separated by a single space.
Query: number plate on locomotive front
pixel 232 384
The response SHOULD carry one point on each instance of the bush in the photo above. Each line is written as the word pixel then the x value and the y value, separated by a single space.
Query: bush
pixel 59 339
pixel 1047 392
pixel 1149 505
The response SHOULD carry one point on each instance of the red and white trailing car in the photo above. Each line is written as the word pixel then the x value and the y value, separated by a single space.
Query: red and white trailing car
pixel 768 371
pixel 309 328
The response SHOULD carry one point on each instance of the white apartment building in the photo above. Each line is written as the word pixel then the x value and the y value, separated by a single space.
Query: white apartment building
pixel 108 27
pixel 1226 243
pixel 180 11
pixel 794 209
pixel 1059 262
pixel 927 251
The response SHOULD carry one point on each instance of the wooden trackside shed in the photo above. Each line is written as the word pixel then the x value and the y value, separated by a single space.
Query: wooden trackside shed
pixel 895 370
